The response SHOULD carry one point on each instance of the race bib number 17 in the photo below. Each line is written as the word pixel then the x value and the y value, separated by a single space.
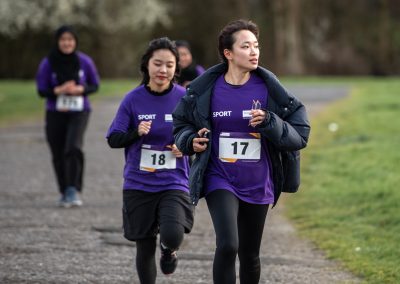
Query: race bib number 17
pixel 236 146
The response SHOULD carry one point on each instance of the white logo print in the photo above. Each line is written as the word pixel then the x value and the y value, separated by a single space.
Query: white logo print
pixel 168 117
pixel 222 113
pixel 146 116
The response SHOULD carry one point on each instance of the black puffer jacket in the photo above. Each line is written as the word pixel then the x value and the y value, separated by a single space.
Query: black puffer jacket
pixel 286 129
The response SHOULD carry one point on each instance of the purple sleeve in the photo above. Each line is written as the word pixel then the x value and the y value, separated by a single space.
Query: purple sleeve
pixel 43 79
pixel 91 71
pixel 123 119
pixel 92 76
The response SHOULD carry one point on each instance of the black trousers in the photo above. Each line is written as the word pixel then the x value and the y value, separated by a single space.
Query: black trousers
pixel 64 133
pixel 239 228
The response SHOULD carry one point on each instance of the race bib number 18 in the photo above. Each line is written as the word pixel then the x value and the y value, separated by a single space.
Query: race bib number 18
pixel 236 146
pixel 154 158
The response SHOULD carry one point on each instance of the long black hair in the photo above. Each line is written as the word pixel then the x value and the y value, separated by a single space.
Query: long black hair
pixel 156 44
pixel 65 66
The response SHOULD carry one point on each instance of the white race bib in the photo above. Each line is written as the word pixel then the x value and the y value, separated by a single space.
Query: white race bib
pixel 153 158
pixel 69 103
pixel 239 146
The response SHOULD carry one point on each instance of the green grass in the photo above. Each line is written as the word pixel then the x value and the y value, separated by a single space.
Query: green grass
pixel 19 101
pixel 349 200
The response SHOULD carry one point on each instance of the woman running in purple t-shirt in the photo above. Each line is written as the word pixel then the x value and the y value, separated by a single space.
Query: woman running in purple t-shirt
pixel 239 122
pixel 155 190
pixel 65 78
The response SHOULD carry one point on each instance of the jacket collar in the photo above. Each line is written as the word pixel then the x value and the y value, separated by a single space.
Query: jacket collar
pixel 203 85
pixel 207 80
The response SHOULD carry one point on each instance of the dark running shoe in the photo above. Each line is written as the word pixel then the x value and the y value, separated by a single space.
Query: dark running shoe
pixel 168 260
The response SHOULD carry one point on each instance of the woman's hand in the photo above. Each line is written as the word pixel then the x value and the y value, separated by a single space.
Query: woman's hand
pixel 144 127
pixel 258 116
pixel 76 90
pixel 63 88
pixel 176 151
pixel 70 88
pixel 200 143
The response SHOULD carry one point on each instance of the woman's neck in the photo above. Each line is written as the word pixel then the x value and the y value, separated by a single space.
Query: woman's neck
pixel 159 93
pixel 235 76
pixel 158 88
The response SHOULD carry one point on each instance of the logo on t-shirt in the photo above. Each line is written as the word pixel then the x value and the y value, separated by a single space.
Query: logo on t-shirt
pixel 222 113
pixel 146 116
pixel 168 117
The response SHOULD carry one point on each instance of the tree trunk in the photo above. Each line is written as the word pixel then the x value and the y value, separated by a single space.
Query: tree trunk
pixel 294 62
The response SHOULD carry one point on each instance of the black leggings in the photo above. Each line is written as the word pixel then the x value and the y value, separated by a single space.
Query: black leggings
pixel 171 235
pixel 239 228
pixel 65 131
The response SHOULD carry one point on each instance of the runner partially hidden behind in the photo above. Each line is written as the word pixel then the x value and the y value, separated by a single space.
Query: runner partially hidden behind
pixel 189 69
pixel 65 78
pixel 241 124
pixel 155 190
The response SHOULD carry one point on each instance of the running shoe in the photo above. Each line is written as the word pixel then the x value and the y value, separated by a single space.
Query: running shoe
pixel 168 260
pixel 72 197
pixel 62 202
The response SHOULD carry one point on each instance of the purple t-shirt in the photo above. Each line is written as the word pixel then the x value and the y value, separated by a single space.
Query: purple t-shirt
pixel 150 166
pixel 239 160
pixel 46 79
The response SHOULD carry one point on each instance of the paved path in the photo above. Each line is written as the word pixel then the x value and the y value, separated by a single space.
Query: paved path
pixel 40 243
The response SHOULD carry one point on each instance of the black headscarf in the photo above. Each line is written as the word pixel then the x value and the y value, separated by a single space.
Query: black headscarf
pixel 66 66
